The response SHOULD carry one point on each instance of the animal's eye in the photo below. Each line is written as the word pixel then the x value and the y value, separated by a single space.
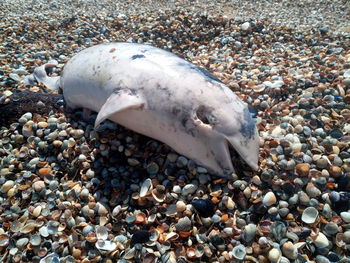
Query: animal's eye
pixel 206 116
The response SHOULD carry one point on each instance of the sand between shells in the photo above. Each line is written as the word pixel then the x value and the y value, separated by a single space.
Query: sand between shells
pixel 70 193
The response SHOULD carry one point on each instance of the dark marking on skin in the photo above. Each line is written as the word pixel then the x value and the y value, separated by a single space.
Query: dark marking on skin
pixel 247 128
pixel 114 57
pixel 206 74
pixel 175 110
pixel 189 125
pixel 137 56
pixel 132 92
pixel 112 50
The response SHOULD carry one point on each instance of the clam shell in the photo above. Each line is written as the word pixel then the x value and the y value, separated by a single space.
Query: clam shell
pixel 101 232
pixel 4 240
pixel 146 187
pixel 309 215
pixel 239 252
pixel 106 245
pixel 321 241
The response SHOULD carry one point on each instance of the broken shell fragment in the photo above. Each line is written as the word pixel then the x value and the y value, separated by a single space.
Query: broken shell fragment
pixel 239 252
pixel 106 245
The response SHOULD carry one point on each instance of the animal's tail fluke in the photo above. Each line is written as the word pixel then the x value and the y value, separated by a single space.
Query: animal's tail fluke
pixel 40 74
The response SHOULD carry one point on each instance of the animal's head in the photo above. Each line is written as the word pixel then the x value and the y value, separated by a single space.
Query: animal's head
pixel 223 122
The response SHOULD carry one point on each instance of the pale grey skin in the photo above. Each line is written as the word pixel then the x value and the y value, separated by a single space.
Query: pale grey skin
pixel 158 94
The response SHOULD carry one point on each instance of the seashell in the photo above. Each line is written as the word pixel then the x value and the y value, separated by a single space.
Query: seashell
pixel 312 191
pixel 331 228
pixel 171 210
pixel 16 226
pixel 50 258
pixel 152 168
pixel 204 207
pixel 239 252
pixel 302 169
pixel 189 189
pixel 146 187
pixel 339 240
pixel 105 245
pixel 171 236
pixel 101 232
pixel 91 237
pixel 140 218
pixel 29 227
pixel 154 234
pixel 249 232
pixel 7 186
pixel 185 234
pixel 159 193
pixel 45 171
pixel 289 250
pixel 345 216
pixel 4 240
pixel 320 240
pixel 35 240
pixel 139 237
pixel 37 210
pixel 42 252
pixel 274 255
pixel 183 225
pixel 149 258
pixel 44 231
pixel 199 251
pixel 278 230
pixel 309 215
pixel 129 254
pixel 191 252
pixel 269 199
pixel 180 206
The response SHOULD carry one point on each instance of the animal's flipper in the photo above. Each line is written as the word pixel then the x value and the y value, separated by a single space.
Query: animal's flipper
pixel 40 74
pixel 117 102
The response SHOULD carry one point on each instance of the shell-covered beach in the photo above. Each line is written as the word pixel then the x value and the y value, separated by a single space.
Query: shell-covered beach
pixel 72 193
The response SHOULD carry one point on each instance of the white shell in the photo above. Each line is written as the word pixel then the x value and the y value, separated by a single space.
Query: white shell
pixel 309 215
